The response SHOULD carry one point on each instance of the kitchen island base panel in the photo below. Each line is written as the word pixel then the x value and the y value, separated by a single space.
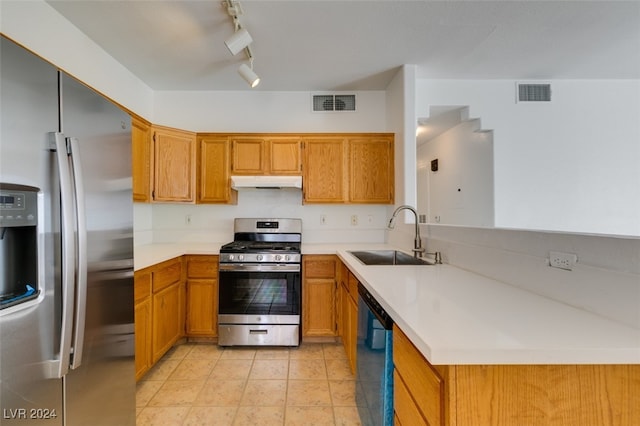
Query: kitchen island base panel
pixel 545 395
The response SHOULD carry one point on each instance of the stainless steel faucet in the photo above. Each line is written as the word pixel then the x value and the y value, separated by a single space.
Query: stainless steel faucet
pixel 418 250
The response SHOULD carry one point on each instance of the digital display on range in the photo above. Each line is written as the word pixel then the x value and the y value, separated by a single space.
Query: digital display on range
pixel 7 199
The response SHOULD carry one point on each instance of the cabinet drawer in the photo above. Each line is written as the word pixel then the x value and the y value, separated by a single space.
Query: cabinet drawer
pixel 405 408
pixel 421 380
pixel 166 274
pixel 352 283
pixel 141 286
pixel 320 267
pixel 202 266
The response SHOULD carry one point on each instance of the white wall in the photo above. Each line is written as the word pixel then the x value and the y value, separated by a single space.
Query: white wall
pixel 38 27
pixel 214 224
pixel 256 111
pixel 460 192
pixel 569 165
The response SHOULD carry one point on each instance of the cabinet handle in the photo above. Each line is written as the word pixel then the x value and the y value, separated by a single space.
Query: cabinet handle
pixel 258 331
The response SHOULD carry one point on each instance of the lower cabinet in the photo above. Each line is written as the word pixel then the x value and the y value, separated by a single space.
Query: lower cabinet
pixel 159 312
pixel 142 315
pixel 540 395
pixel 202 296
pixel 319 295
pixel 348 308
pixel 418 387
pixel 166 320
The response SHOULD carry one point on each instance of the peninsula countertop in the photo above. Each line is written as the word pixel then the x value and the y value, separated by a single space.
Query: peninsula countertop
pixel 454 316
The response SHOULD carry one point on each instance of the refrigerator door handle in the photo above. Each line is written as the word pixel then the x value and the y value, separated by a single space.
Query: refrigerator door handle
pixel 58 144
pixel 81 235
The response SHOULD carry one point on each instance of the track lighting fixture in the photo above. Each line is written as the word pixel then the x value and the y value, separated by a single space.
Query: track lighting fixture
pixel 249 76
pixel 240 40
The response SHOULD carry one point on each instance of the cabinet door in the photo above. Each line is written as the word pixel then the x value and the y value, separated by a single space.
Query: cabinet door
pixel 319 295
pixel 422 389
pixel 371 178
pixel 249 155
pixel 324 177
pixel 213 171
pixel 166 320
pixel 202 295
pixel 352 331
pixel 142 320
pixel 284 156
pixel 202 307
pixel 141 160
pixel 174 165
pixel 318 312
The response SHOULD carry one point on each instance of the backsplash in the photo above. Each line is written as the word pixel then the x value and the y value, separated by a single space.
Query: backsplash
pixel 322 223
pixel 605 280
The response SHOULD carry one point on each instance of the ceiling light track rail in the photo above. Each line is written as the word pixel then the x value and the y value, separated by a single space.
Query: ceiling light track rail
pixel 240 40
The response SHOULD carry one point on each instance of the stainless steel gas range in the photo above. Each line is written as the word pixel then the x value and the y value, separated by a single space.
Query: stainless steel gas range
pixel 259 297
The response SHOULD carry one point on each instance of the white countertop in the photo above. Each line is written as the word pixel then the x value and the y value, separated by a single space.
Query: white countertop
pixel 455 316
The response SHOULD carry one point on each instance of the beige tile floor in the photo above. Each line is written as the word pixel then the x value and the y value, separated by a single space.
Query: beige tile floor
pixel 203 384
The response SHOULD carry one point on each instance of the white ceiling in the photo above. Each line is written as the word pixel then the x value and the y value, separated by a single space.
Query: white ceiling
pixel 323 45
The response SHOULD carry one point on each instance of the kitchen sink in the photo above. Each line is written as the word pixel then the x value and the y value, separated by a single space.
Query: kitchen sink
pixel 387 257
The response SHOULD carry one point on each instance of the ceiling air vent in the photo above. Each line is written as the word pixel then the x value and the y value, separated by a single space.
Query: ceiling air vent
pixel 334 102
pixel 534 92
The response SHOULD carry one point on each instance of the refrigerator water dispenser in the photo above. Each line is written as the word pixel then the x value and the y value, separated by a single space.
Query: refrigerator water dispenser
pixel 18 244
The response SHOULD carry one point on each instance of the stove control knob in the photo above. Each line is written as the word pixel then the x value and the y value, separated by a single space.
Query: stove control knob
pixel 231 257
pixel 259 257
pixel 278 257
pixel 287 258
pixel 241 257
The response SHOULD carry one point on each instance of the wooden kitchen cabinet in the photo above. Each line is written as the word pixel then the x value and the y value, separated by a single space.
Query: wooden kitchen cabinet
pixel 141 159
pixel 324 170
pixel 349 168
pixel 540 395
pixel 371 171
pixel 167 306
pixel 174 174
pixel 143 322
pixel 285 156
pixel 347 306
pixel 202 296
pixel 266 155
pixel 319 295
pixel 213 170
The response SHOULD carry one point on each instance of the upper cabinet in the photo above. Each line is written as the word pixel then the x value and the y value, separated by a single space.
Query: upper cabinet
pixel 171 165
pixel 349 169
pixel 174 165
pixel 214 155
pixel 371 175
pixel 265 155
pixel 142 159
pixel 324 178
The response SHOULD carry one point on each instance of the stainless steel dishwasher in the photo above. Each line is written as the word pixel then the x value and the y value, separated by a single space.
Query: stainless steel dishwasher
pixel 374 362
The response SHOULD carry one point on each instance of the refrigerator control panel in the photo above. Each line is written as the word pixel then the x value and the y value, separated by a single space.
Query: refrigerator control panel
pixel 18 208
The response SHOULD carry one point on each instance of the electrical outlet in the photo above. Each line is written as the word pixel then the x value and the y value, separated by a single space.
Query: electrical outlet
pixel 354 220
pixel 562 260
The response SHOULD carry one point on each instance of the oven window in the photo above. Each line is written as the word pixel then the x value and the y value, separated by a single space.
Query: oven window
pixel 259 293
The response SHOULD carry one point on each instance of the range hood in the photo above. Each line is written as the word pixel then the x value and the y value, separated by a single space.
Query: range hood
pixel 266 182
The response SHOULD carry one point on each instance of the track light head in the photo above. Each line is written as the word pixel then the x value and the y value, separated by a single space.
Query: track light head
pixel 238 41
pixel 249 76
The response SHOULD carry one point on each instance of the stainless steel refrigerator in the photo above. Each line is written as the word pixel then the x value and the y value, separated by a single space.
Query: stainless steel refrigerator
pixel 66 249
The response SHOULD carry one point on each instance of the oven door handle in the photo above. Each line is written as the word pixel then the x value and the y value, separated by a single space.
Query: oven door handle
pixel 245 267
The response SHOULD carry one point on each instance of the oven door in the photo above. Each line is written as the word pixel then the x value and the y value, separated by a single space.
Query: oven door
pixel 259 305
